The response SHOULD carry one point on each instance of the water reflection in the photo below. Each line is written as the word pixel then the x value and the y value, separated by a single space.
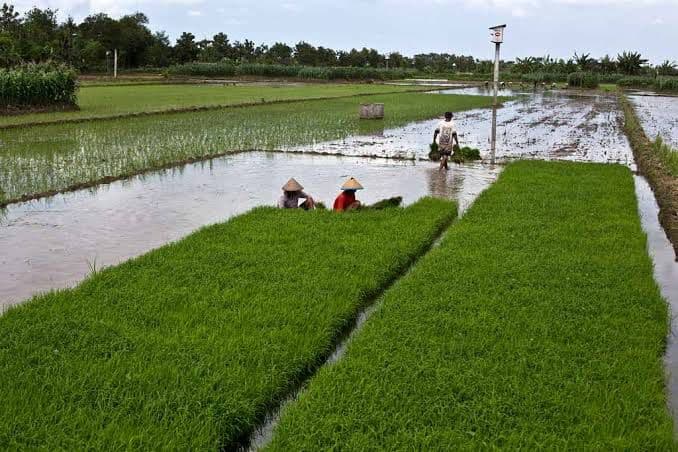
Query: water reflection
pixel 658 116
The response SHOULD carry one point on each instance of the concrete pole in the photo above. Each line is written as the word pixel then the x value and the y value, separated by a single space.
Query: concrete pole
pixel 115 63
pixel 494 104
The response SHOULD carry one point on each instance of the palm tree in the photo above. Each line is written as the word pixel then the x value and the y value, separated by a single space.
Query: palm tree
pixel 667 68
pixel 584 61
pixel 630 63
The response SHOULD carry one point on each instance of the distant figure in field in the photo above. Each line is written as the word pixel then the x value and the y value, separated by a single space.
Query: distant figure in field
pixel 446 136
pixel 292 193
pixel 346 200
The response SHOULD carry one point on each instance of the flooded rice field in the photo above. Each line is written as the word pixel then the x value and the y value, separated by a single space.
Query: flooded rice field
pixel 545 125
pixel 54 242
pixel 659 116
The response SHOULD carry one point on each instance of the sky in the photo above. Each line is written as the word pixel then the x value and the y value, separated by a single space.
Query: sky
pixel 534 27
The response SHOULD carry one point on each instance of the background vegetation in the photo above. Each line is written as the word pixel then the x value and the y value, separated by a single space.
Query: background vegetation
pixel 36 36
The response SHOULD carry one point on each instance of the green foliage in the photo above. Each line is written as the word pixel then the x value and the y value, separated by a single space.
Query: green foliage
pixel 630 63
pixel 277 70
pixel 186 347
pixel 535 325
pixel 669 84
pixel 543 77
pixel 38 85
pixel 583 80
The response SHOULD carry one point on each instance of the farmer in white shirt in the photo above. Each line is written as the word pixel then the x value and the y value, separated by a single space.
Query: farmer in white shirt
pixel 292 193
pixel 446 136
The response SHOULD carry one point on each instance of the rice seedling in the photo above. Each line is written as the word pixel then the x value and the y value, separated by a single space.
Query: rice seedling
pixel 536 324
pixel 39 160
pixel 188 346
pixel 98 102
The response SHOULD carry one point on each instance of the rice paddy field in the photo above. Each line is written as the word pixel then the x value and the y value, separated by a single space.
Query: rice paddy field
pixel 38 160
pixel 536 324
pixel 150 297
pixel 187 346
pixel 121 99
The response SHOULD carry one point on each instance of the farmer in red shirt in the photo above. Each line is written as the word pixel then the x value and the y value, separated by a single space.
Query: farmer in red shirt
pixel 346 200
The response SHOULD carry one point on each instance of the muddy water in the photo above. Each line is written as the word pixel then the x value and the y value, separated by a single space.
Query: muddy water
pixel 52 242
pixel 658 115
pixel 544 125
pixel 666 275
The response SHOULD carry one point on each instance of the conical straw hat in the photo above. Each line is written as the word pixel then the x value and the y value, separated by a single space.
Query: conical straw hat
pixel 292 185
pixel 352 184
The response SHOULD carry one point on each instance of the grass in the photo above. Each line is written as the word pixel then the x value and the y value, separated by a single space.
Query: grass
pixel 98 102
pixel 536 325
pixel 186 347
pixel 40 160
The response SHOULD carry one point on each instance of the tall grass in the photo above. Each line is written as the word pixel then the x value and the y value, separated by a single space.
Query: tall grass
pixel 535 325
pixel 273 70
pixel 583 80
pixel 669 84
pixel 186 347
pixel 38 85
pixel 667 154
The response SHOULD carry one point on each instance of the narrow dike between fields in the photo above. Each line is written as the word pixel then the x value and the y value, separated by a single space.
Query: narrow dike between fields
pixel 262 434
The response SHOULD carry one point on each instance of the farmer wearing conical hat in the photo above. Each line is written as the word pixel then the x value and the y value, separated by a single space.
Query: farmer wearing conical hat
pixel 292 193
pixel 346 200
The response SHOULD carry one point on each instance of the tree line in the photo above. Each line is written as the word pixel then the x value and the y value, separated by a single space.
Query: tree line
pixel 38 36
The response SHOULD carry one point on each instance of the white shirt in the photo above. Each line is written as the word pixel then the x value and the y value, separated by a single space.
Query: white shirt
pixel 446 129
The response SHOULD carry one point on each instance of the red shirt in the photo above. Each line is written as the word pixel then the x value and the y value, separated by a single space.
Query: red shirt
pixel 344 200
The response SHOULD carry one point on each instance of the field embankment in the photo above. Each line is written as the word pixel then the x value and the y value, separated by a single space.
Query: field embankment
pixel 536 324
pixel 70 156
pixel 659 163
pixel 188 346
pixel 117 101
pixel 37 87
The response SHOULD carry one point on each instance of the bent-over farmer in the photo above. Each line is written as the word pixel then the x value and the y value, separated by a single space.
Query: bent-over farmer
pixel 346 199
pixel 446 136
pixel 292 193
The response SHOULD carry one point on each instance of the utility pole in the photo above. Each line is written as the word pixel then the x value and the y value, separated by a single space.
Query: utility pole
pixel 497 36
pixel 115 65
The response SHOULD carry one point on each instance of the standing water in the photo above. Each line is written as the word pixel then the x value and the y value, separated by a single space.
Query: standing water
pixel 55 242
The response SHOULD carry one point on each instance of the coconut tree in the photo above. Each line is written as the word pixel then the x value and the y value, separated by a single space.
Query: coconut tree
pixel 584 61
pixel 667 68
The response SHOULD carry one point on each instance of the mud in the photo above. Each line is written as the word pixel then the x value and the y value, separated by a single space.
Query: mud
pixel 544 125
pixel 658 115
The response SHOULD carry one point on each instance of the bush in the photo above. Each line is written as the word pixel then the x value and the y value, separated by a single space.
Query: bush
pixel 277 70
pixel 543 77
pixel 583 80
pixel 659 83
pixel 38 85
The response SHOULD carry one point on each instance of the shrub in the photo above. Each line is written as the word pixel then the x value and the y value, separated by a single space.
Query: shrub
pixel 583 80
pixel 38 85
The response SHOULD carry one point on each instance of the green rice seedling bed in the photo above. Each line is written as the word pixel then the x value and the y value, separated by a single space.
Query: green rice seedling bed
pixel 536 324
pixel 97 102
pixel 37 161
pixel 186 347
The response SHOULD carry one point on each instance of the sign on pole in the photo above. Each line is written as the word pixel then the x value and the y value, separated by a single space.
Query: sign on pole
pixel 497 37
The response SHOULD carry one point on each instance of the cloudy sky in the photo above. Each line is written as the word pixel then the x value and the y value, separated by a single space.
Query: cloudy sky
pixel 535 27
